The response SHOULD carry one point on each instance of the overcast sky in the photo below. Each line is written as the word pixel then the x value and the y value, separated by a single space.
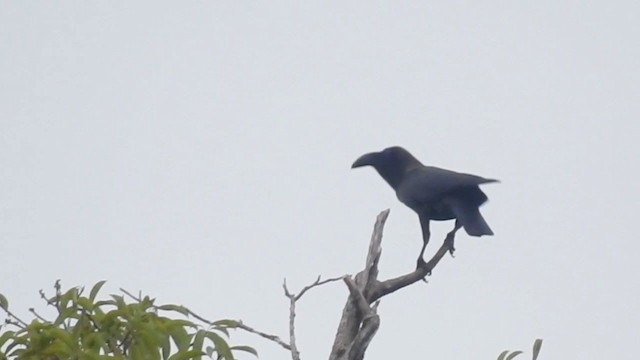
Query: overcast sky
pixel 199 151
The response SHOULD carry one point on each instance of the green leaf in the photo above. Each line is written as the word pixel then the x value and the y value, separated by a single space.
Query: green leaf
pixel 105 302
pixel 4 303
pixel 93 342
pixel 226 323
pixel 248 349
pixel 180 323
pixel 177 308
pixel 64 315
pixel 150 339
pixel 63 337
pixel 536 348
pixel 183 355
pixel 222 348
pixel 166 348
pixel 180 337
pixel 15 353
pixel 58 348
pixel 6 336
pixel 148 346
pixel 93 356
pixel 113 315
pixel 64 299
pixel 87 329
pixel 222 330
pixel 95 289
pixel 138 352
pixel 513 354
pixel 503 355
pixel 119 301
pixel 198 340
pixel 75 293
pixel 85 303
pixel 223 325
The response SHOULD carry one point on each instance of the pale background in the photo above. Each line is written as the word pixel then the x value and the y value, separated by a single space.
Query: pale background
pixel 199 151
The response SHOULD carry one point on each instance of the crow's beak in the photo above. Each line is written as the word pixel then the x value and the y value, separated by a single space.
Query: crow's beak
pixel 365 160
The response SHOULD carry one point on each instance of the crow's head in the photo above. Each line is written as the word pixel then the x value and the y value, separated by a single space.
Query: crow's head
pixel 391 163
pixel 391 157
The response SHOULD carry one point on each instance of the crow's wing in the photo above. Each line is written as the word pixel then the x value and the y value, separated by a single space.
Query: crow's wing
pixel 427 183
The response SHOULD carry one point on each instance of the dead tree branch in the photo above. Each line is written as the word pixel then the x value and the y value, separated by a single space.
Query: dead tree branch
pixel 370 322
pixel 274 338
pixel 353 315
pixel 360 321
pixel 293 298
pixel 295 354
pixel 388 286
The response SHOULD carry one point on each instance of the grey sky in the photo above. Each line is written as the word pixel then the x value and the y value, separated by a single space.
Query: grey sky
pixel 200 152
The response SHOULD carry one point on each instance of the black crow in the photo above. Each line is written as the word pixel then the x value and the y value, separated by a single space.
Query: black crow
pixel 433 193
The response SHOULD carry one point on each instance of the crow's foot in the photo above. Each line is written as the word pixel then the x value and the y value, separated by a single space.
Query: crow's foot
pixel 449 240
pixel 423 265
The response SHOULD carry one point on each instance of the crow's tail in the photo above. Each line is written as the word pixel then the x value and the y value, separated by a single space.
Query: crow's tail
pixel 471 219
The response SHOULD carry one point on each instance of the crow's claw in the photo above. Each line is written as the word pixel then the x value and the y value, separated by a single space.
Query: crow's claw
pixel 422 265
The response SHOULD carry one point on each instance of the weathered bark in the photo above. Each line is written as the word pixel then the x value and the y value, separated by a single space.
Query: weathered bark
pixel 354 311
pixel 359 321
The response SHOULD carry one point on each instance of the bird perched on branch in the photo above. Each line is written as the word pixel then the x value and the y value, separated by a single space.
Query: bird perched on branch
pixel 433 193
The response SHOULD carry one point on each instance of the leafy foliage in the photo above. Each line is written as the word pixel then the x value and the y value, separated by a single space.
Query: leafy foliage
pixel 507 355
pixel 91 329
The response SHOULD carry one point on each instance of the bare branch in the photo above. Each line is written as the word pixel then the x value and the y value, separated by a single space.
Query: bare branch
pixel 33 311
pixel 375 251
pixel 360 321
pixel 239 324
pixel 386 287
pixel 286 290
pixel 352 316
pixel 317 283
pixel 270 337
pixel 18 322
pixel 295 354
pixel 370 322
pixel 358 298
pixel 136 298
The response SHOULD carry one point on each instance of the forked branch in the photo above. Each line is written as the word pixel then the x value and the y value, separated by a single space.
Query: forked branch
pixel 360 321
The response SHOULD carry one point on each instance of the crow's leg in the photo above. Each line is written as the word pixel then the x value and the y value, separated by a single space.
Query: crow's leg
pixel 451 237
pixel 424 224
